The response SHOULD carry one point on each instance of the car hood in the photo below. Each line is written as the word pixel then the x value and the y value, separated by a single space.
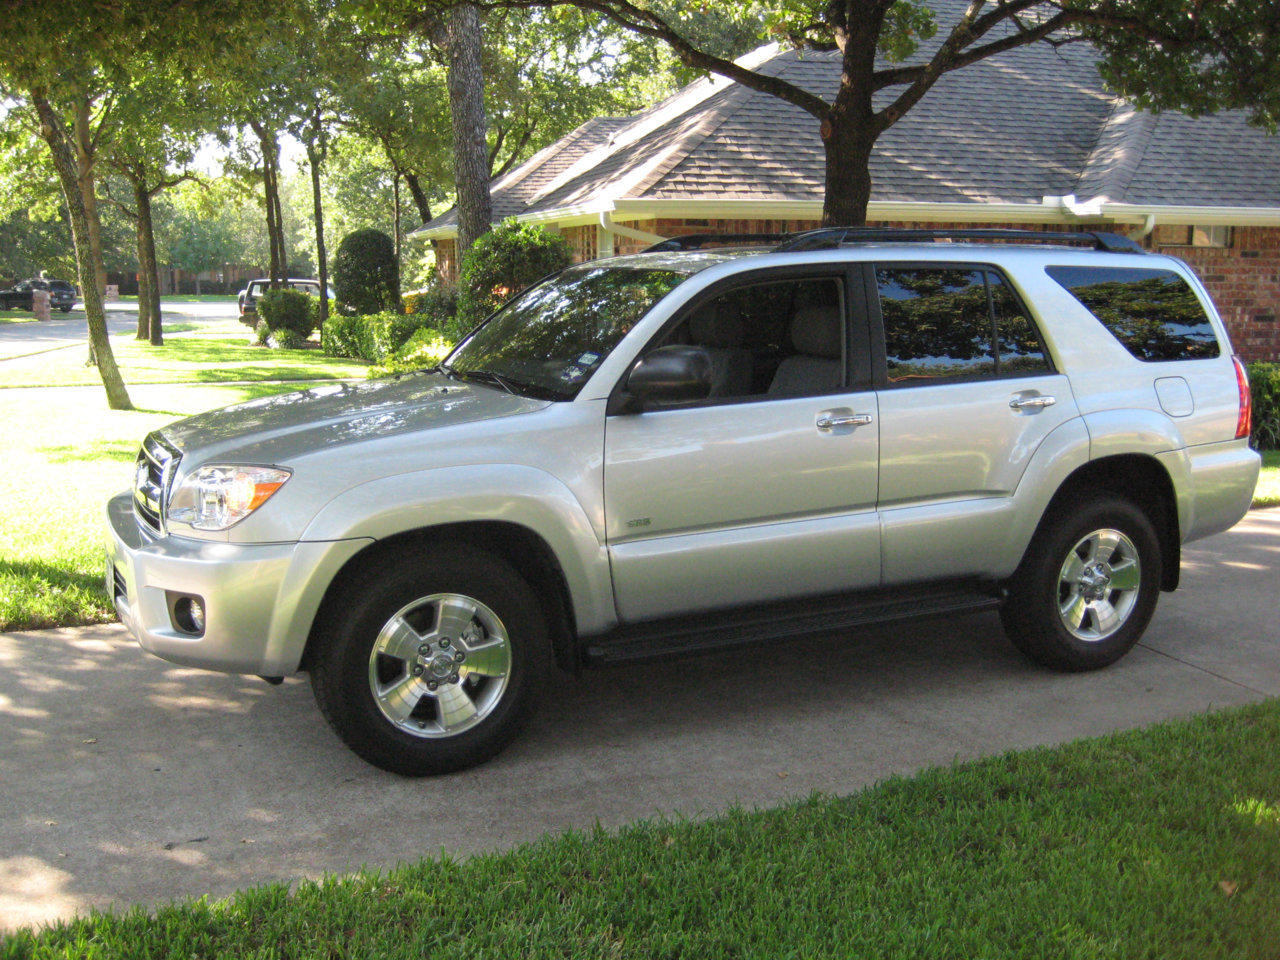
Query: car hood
pixel 280 428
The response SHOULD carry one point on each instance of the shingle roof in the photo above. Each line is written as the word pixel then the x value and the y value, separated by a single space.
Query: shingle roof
pixel 1032 123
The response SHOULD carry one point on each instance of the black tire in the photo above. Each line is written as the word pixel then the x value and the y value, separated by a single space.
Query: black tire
pixel 1087 587
pixel 419 608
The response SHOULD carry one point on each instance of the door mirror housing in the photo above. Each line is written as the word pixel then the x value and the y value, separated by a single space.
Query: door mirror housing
pixel 676 373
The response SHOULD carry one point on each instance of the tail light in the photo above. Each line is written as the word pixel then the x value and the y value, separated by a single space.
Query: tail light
pixel 1244 424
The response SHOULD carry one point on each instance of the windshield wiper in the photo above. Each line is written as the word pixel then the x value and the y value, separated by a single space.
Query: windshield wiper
pixel 487 376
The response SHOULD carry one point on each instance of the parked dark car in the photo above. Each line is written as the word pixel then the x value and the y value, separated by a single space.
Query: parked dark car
pixel 21 296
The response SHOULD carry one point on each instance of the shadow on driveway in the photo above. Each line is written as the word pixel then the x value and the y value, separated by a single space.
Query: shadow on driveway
pixel 130 780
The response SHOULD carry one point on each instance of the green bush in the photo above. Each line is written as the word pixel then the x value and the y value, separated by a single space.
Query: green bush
pixel 425 349
pixel 439 305
pixel 1264 383
pixel 502 263
pixel 285 340
pixel 287 310
pixel 374 337
pixel 366 276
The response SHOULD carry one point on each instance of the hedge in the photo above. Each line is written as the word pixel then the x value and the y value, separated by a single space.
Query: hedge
pixel 372 337
pixel 1264 383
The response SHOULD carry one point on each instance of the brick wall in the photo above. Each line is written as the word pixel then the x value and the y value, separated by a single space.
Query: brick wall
pixel 1244 281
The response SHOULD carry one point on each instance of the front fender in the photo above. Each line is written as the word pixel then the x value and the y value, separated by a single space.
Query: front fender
pixel 507 493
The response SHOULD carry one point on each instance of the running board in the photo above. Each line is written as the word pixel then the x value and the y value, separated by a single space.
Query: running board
pixel 659 639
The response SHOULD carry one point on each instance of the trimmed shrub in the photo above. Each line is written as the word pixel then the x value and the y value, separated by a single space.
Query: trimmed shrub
pixel 1264 384
pixel 425 349
pixel 287 310
pixel 340 336
pixel 439 305
pixel 438 301
pixel 374 337
pixel 285 340
pixel 502 263
pixel 366 276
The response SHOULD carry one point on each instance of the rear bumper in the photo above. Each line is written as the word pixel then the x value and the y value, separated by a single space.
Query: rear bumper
pixel 1222 480
pixel 259 600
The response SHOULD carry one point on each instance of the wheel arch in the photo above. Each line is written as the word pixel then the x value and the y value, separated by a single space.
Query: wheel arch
pixel 527 552
pixel 1140 479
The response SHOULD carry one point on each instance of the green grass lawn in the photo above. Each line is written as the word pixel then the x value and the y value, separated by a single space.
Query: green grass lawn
pixel 1267 493
pixel 1161 844
pixel 199 359
pixel 65 455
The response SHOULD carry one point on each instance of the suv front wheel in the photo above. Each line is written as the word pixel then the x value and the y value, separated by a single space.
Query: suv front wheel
pixel 432 660
pixel 1087 587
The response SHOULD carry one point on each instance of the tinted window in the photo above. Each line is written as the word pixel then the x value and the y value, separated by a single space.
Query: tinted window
pixel 1154 313
pixel 779 339
pixel 954 322
pixel 549 339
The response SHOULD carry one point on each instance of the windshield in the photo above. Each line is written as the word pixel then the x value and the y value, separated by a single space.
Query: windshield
pixel 549 340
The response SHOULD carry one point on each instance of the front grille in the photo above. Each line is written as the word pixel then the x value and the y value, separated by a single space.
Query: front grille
pixel 157 462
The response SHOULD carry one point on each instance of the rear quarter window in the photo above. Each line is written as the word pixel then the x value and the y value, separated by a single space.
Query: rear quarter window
pixel 1154 313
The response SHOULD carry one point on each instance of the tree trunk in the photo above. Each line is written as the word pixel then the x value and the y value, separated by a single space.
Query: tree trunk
pixel 419 197
pixel 322 257
pixel 54 134
pixel 85 159
pixel 848 183
pixel 144 298
pixel 395 219
pixel 271 197
pixel 147 263
pixel 466 104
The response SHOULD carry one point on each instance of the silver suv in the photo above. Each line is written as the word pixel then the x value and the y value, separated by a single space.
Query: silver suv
pixel 685 449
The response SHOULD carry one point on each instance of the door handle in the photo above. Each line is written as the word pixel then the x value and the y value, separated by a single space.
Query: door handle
pixel 828 422
pixel 1028 403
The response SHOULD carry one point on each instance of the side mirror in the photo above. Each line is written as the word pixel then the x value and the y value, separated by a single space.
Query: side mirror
pixel 676 373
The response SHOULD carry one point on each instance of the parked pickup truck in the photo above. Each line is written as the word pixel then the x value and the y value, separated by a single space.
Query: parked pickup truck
pixel 696 448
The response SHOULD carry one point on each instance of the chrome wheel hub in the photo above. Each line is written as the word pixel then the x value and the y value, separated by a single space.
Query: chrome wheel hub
pixel 1098 585
pixel 440 665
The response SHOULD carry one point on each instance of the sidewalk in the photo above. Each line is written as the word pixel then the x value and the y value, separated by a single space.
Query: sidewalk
pixel 130 780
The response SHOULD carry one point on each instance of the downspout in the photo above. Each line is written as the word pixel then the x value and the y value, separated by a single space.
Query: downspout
pixel 610 230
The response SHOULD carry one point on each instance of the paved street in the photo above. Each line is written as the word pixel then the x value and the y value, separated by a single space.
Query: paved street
pixel 68 329
pixel 130 780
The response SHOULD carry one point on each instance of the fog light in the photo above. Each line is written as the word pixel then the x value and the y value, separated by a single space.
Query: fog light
pixel 187 614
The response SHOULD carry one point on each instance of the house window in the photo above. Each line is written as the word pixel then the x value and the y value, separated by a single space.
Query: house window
pixel 1209 236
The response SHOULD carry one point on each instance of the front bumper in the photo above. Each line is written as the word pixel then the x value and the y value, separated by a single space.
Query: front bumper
pixel 259 600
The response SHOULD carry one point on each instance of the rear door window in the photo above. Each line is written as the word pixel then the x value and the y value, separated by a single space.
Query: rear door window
pixel 952 322
pixel 1154 313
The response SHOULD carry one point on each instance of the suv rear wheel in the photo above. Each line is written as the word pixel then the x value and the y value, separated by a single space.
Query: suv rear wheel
pixel 433 660
pixel 1087 587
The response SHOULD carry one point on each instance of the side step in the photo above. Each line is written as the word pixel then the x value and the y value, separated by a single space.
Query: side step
pixel 722 629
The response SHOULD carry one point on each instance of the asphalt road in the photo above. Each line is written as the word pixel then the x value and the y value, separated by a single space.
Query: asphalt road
pixel 129 780
pixel 66 330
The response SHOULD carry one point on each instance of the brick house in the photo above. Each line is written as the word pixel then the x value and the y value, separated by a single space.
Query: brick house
pixel 1026 139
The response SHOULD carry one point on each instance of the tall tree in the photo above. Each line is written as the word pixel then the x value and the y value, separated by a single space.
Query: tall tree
pixel 463 43
pixel 72 87
pixel 1188 54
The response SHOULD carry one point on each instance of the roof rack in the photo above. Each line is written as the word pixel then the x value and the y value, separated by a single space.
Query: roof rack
pixel 832 237
pixel 696 241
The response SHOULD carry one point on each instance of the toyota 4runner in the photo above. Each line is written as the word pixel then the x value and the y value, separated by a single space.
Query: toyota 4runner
pixel 691 448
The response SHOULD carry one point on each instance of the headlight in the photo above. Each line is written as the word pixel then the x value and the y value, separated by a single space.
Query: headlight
pixel 219 496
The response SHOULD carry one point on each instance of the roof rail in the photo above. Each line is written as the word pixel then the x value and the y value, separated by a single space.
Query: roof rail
pixel 696 241
pixel 831 237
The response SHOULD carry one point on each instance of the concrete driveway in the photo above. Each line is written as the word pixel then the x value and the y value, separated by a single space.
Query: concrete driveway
pixel 129 780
